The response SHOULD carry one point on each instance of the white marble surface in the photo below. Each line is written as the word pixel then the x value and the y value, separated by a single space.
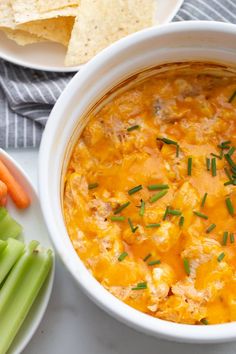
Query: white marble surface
pixel 74 325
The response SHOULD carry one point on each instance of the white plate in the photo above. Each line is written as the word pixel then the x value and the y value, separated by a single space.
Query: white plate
pixel 50 56
pixel 34 229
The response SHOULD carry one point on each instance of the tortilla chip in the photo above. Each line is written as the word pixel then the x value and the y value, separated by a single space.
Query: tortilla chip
pixel 22 37
pixel 49 5
pixel 54 29
pixel 7 24
pixel 26 11
pixel 102 22
pixel 6 14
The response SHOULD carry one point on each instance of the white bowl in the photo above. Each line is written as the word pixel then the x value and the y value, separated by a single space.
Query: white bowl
pixel 176 42
pixel 33 229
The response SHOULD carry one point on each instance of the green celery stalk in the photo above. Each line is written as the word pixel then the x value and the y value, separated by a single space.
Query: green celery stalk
pixel 20 290
pixel 9 256
pixel 8 226
pixel 3 245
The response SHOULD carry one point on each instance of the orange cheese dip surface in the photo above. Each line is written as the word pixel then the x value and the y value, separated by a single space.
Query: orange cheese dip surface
pixel 168 246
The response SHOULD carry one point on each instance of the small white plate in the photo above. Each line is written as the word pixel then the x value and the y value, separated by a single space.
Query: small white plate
pixel 50 56
pixel 34 229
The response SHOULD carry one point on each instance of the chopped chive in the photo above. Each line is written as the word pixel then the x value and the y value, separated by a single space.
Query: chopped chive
pixel 135 189
pixel 147 257
pixel 133 229
pixel 150 226
pixel 210 228
pixel 157 261
pixel 140 286
pixel 92 185
pixel 134 127
pixel 168 141
pixel 230 161
pixel 181 221
pixel 231 151
pixel 204 321
pixel 223 147
pixel 213 166
pixel 157 196
pixel 201 215
pixel 224 144
pixel 230 182
pixel 220 257
pixel 229 206
pixel 225 237
pixel 166 213
pixel 174 212
pixel 208 164
pixel 117 218
pixel 120 208
pixel 231 237
pixel 186 266
pixel 144 283
pixel 232 97
pixel 142 208
pixel 177 151
pixel 122 256
pixel 155 187
pixel 190 161
pixel 204 200
pixel 217 156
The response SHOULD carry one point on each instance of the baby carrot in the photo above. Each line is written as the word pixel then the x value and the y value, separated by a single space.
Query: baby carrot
pixel 15 190
pixel 3 193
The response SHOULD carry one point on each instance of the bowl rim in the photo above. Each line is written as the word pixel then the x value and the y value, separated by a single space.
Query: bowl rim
pixel 126 314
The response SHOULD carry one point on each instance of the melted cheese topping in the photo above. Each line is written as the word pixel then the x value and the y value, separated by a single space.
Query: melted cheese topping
pixel 193 110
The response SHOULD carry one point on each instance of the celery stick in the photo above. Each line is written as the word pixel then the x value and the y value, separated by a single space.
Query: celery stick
pixel 3 245
pixel 8 226
pixel 20 290
pixel 9 256
pixel 3 212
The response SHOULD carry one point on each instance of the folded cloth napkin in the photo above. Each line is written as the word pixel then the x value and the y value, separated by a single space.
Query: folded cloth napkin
pixel 27 96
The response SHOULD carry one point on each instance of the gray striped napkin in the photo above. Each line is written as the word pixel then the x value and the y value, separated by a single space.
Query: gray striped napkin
pixel 27 96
